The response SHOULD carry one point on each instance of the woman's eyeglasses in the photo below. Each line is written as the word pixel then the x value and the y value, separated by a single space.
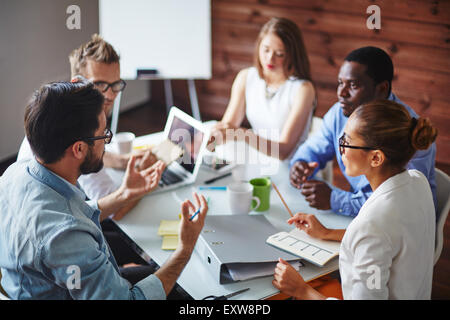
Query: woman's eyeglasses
pixel 344 144
pixel 117 86
pixel 108 136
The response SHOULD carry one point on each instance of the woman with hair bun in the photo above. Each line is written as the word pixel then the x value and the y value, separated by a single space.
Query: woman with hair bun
pixel 387 250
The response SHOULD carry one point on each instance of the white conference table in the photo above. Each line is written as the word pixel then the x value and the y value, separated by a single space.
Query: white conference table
pixel 141 224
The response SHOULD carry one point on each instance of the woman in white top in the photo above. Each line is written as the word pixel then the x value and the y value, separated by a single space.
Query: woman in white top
pixel 387 250
pixel 276 95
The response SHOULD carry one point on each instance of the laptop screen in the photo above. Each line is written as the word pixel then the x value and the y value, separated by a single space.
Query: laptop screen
pixel 189 139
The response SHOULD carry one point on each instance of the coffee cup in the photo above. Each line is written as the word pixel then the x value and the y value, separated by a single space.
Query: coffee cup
pixel 240 197
pixel 124 142
pixel 261 190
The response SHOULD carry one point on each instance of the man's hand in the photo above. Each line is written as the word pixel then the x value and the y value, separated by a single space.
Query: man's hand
pixel 300 172
pixel 188 235
pixel 134 186
pixel 317 193
pixel 145 159
pixel 190 230
pixel 138 183
pixel 115 160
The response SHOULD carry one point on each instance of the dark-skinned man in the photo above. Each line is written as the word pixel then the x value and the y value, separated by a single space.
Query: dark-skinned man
pixel 365 75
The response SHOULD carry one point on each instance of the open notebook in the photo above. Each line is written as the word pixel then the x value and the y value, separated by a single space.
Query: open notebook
pixel 300 244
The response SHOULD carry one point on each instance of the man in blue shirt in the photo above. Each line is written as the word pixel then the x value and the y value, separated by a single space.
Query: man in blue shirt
pixel 365 75
pixel 51 243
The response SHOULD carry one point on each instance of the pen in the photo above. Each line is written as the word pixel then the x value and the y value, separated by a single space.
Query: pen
pixel 196 213
pixel 211 188
pixel 217 178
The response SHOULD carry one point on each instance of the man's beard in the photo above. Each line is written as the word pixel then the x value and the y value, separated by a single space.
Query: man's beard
pixel 90 164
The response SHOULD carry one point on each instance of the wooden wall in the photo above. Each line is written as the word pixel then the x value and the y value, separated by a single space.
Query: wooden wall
pixel 416 33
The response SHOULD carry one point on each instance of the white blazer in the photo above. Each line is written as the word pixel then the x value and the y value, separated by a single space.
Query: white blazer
pixel 387 251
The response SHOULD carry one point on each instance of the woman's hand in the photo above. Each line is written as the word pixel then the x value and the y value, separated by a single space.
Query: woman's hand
pixel 310 224
pixel 290 282
pixel 219 135
pixel 313 227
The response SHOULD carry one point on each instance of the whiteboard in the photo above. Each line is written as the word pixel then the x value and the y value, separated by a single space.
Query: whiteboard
pixel 171 36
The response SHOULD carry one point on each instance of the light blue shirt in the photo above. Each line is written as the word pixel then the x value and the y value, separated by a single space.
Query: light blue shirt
pixel 324 146
pixel 51 243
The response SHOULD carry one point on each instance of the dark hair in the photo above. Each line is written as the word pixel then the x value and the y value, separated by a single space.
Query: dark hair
pixel 297 62
pixel 379 65
pixel 388 126
pixel 58 115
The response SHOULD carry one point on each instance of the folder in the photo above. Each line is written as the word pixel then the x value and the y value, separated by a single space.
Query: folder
pixel 230 240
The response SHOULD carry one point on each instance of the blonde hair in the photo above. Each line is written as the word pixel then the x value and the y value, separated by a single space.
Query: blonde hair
pixel 96 49
pixel 296 62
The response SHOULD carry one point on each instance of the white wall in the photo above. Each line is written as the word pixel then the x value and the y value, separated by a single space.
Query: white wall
pixel 34 48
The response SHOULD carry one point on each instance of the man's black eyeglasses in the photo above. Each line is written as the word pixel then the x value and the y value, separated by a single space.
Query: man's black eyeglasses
pixel 343 144
pixel 108 136
pixel 117 86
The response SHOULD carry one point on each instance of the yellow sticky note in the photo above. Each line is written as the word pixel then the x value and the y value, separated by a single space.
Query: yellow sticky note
pixel 168 227
pixel 169 242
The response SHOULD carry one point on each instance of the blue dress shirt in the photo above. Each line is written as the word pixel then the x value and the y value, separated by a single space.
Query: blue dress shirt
pixel 324 146
pixel 51 243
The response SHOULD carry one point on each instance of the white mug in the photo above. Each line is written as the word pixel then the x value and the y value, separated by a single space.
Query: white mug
pixel 124 142
pixel 240 196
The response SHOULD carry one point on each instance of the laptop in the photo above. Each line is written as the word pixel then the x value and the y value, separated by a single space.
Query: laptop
pixel 190 135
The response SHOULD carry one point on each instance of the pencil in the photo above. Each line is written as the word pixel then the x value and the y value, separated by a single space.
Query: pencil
pixel 282 200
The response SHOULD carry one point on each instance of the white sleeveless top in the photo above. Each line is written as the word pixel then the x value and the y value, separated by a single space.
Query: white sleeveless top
pixel 268 115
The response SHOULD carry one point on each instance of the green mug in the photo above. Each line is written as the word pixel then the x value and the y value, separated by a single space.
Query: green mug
pixel 261 189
